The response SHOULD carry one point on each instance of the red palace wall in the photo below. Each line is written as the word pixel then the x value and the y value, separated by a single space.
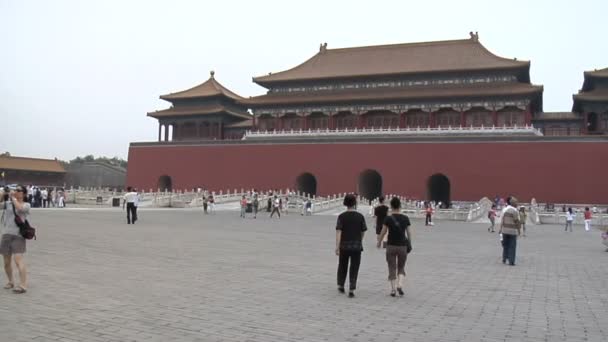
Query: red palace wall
pixel 556 172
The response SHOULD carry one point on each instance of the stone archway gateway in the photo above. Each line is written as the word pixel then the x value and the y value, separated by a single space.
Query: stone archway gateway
pixel 438 186
pixel 370 184
pixel 165 183
pixel 307 183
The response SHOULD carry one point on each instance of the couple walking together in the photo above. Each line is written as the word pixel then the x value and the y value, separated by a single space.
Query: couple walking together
pixel 350 230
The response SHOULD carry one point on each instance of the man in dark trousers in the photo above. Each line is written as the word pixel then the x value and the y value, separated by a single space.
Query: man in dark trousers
pixel 130 200
pixel 510 228
pixel 380 213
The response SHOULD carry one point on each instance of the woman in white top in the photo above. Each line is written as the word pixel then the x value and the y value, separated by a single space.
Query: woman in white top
pixel 569 219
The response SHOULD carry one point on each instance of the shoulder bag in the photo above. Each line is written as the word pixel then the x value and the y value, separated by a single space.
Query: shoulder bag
pixel 25 229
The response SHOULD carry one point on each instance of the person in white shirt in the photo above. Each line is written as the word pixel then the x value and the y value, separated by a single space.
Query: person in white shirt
pixel 45 198
pixel 276 207
pixel 130 199
pixel 569 219
pixel 61 201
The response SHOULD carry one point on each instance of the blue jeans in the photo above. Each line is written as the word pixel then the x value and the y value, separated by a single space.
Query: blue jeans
pixel 509 245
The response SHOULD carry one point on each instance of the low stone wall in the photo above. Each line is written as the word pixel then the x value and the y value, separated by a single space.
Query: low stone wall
pixel 560 218
pixel 440 214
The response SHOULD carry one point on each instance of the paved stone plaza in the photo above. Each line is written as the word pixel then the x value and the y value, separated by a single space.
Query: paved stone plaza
pixel 178 275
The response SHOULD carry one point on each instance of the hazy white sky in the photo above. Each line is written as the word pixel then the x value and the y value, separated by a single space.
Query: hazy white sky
pixel 78 77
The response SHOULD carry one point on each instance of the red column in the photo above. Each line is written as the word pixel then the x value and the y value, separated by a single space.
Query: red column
pixel 221 128
pixel 463 119
pixel 277 124
pixel 175 132
pixel 494 118
pixel 586 123
pixel 332 121
pixel 528 115
pixel 159 127
pixel 402 123
pixel 360 120
pixel 305 122
pixel 432 122
pixel 253 128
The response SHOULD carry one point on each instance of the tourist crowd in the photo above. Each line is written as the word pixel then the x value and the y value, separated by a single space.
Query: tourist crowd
pixel 45 197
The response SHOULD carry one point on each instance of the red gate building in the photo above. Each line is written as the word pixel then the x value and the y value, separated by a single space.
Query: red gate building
pixel 443 120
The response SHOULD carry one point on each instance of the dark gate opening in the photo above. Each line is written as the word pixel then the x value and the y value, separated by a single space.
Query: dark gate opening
pixel 592 122
pixel 307 183
pixel 165 183
pixel 438 187
pixel 370 184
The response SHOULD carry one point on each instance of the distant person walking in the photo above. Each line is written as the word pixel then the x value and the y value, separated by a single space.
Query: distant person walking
pixel 429 214
pixel 587 219
pixel 51 198
pixel 12 244
pixel 380 213
pixel 243 206
pixel 492 218
pixel 45 198
pixel 136 203
pixel 256 205
pixel 276 206
pixel 569 219
pixel 211 204
pixel 510 228
pixel 129 199
pixel 61 202
pixel 398 245
pixel 350 230
pixel 205 203
pixel 523 216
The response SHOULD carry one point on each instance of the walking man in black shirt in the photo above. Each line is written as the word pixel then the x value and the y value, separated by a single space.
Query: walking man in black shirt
pixel 350 230
pixel 380 213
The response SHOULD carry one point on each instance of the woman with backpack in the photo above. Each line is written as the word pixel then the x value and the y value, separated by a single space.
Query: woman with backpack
pixel 12 244
pixel 398 245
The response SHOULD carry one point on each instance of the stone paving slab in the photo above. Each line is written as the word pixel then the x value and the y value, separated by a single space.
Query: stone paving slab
pixel 178 275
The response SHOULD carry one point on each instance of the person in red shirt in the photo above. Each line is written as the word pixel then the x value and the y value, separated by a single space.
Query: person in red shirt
pixel 429 214
pixel 587 219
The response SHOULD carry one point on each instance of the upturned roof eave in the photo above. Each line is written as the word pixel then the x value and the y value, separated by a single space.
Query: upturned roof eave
pixel 158 115
pixel 254 101
pixel 265 82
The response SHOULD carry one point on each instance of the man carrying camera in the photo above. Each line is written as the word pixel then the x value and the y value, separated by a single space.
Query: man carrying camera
pixel 12 244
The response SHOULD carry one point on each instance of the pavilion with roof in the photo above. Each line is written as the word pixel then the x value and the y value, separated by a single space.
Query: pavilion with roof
pixel 207 111
pixel 592 101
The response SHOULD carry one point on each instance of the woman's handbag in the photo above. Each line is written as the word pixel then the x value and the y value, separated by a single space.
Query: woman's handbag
pixel 28 232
